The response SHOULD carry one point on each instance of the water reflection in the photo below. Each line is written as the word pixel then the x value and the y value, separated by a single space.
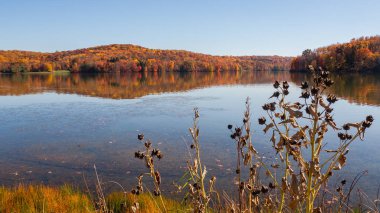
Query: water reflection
pixel 363 88
pixel 359 88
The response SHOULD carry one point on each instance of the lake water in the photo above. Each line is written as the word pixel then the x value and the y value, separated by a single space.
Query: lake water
pixel 55 127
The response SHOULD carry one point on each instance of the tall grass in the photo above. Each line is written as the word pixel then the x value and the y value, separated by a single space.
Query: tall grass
pixel 66 199
pixel 41 198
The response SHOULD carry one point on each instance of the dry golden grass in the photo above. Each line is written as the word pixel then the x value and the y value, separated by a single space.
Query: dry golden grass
pixel 43 199
pixel 118 202
pixel 39 198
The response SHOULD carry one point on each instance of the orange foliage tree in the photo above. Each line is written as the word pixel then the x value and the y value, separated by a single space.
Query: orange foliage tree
pixel 131 58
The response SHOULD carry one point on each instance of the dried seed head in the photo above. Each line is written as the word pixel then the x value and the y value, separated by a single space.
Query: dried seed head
pixel 339 189
pixel 266 107
pixel 314 90
pixel 343 182
pixel 276 84
pixel 369 118
pixel 271 185
pixel 305 95
pixel 318 80
pixel 192 146
pixel 154 152
pixel 342 136
pixel 285 92
pixel 285 85
pixel 237 171
pixel 157 177
pixel 307 110
pixel 147 144
pixel 139 155
pixel 346 127
pixel 233 136
pixel 196 113
pixel 256 192
pixel 366 124
pixel 264 189
pixel 349 137
pixel 328 82
pixel 160 155
pixel 331 99
pixel 325 74
pixel 238 132
pixel 275 94
pixel 229 126
pixel 140 136
pixel 272 106
pixel 262 120
pixel 328 118
pixel 304 85
pixel 196 186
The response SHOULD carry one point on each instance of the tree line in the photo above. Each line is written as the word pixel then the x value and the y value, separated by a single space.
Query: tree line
pixel 362 54
pixel 132 58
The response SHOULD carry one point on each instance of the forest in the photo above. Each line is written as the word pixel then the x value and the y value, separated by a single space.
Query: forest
pixel 362 54
pixel 132 58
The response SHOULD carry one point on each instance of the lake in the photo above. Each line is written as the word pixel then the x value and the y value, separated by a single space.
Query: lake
pixel 55 127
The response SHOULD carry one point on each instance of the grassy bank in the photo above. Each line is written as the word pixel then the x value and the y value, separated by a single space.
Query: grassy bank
pixel 39 198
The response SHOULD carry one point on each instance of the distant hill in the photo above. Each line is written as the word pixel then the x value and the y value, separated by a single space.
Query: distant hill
pixel 362 54
pixel 126 57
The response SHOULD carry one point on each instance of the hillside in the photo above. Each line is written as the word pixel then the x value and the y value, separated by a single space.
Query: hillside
pixel 362 54
pixel 131 58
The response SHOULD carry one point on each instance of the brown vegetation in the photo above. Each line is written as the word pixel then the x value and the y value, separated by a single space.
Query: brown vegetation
pixel 298 181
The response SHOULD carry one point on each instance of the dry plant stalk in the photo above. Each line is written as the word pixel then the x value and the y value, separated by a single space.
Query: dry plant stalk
pixel 297 136
pixel 298 131
pixel 148 156
pixel 248 163
pixel 198 194
pixel 101 204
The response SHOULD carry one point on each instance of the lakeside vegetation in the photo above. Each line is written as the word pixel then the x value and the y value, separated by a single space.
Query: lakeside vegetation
pixel 66 199
pixel 132 58
pixel 362 54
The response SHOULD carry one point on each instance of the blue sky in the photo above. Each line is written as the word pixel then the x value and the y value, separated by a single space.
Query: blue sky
pixel 220 27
